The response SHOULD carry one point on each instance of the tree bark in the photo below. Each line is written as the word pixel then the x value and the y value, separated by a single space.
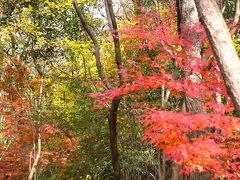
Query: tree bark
pixel 36 160
pixel 116 41
pixel 112 121
pixel 189 17
pixel 178 6
pixel 117 99
pixel 108 15
pixel 221 42
pixel 236 17
pixel 237 12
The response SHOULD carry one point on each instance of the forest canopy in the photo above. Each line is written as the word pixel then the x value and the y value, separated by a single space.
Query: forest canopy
pixel 119 89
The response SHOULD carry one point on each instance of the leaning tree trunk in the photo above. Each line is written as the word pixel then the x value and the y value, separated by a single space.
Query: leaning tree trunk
pixel 221 42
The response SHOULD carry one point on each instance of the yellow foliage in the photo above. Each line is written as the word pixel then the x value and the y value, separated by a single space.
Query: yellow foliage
pixel 62 96
pixel 236 43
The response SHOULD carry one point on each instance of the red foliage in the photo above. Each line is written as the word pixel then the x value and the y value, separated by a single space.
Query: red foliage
pixel 204 142
pixel 20 124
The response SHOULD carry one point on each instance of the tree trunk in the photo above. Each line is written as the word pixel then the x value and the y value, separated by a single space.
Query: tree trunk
pixel 112 118
pixel 189 17
pixel 236 17
pixel 116 100
pixel 221 42
pixel 174 171
pixel 237 12
pixel 37 158
pixel 112 121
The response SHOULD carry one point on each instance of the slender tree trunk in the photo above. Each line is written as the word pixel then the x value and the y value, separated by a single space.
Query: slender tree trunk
pixel 112 121
pixel 116 100
pixel 112 118
pixel 116 41
pixel 179 9
pixel 38 141
pixel 36 160
pixel 108 15
pixel 221 42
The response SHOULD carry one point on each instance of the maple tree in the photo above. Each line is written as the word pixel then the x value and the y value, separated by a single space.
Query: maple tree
pixel 23 122
pixel 196 142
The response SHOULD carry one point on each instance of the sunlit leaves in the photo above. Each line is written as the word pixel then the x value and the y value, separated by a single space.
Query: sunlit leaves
pixel 196 142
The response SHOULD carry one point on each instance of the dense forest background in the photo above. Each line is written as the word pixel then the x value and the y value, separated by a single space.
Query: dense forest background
pixel 81 83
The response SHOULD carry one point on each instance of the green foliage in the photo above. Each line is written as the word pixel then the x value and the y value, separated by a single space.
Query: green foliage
pixel 48 36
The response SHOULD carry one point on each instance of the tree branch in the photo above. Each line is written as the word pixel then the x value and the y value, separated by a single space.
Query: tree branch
pixel 95 43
